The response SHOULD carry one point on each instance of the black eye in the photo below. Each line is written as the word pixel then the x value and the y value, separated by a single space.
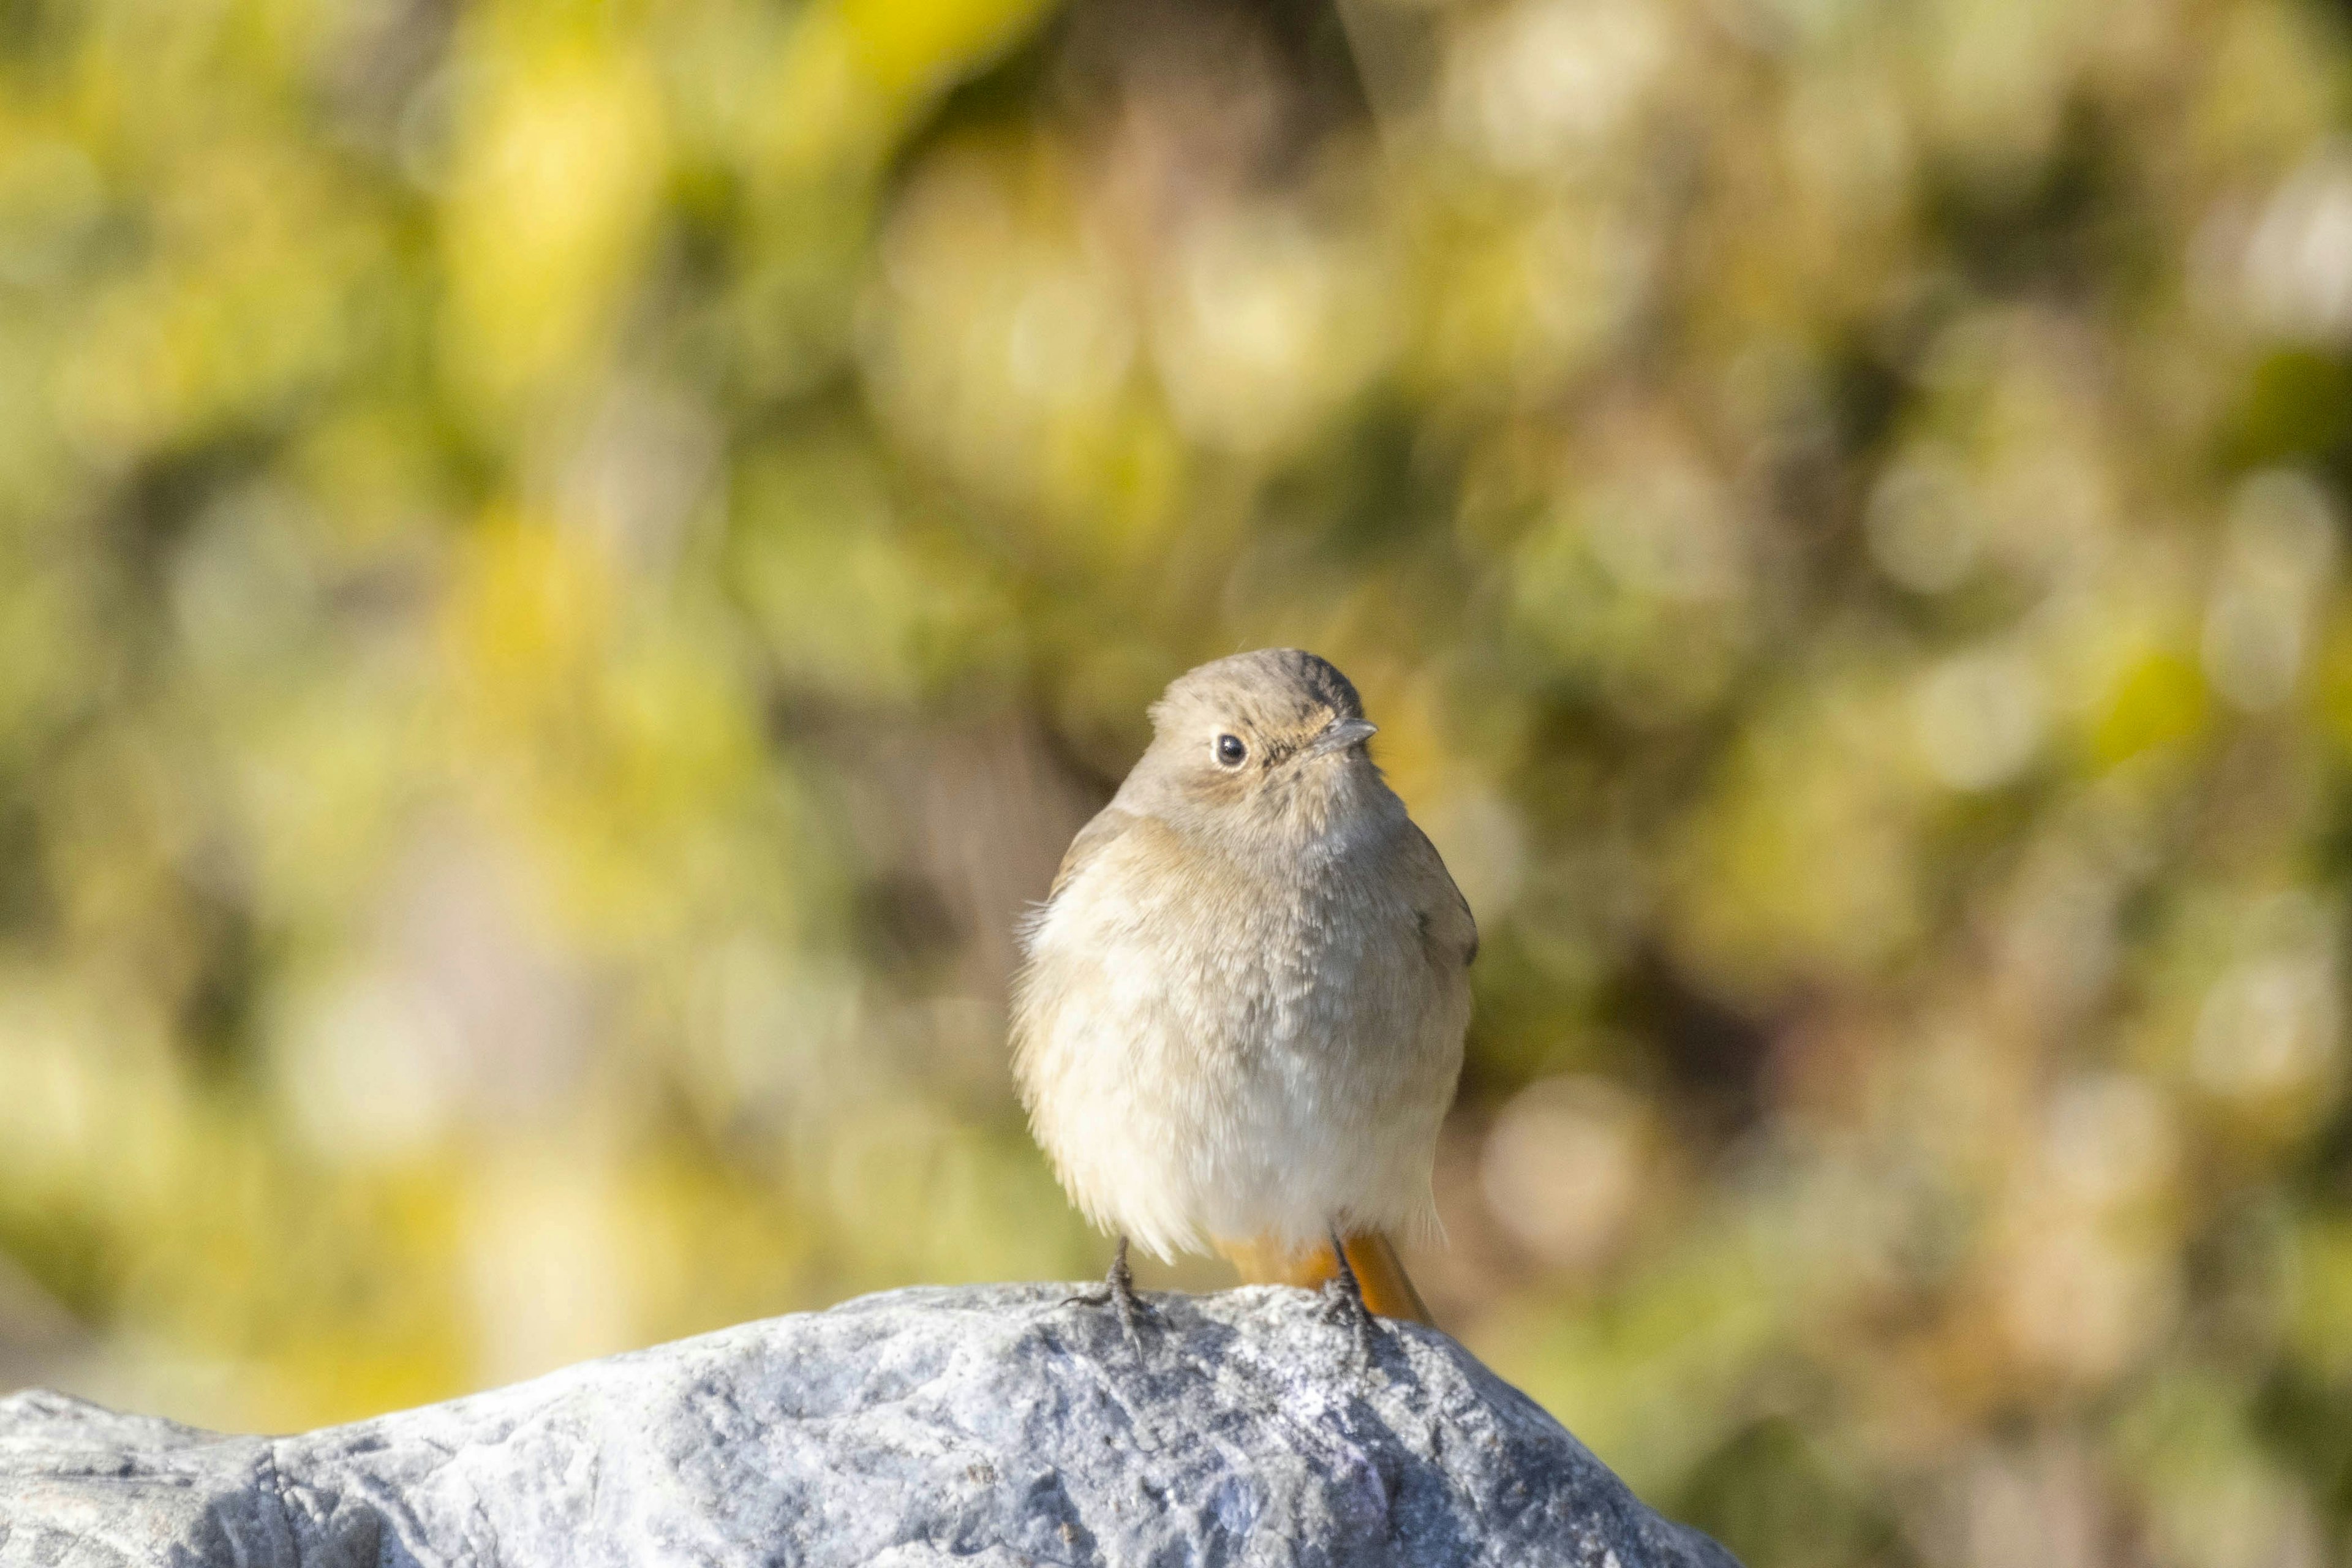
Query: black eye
pixel 1229 751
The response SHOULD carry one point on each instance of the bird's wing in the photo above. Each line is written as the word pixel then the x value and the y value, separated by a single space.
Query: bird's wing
pixel 1095 837
pixel 1447 923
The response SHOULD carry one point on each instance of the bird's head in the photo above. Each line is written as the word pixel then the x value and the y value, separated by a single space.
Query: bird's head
pixel 1267 740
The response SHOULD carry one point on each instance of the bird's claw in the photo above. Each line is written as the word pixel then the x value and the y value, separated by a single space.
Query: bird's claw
pixel 1345 1308
pixel 1118 1291
pixel 1132 1309
pixel 1343 1301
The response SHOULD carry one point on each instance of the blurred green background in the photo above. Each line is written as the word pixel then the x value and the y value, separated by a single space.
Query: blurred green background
pixel 566 569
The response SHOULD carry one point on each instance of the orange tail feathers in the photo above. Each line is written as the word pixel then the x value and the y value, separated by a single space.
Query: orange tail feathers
pixel 1388 1288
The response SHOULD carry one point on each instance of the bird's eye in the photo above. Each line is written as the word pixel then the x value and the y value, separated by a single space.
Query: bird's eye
pixel 1229 751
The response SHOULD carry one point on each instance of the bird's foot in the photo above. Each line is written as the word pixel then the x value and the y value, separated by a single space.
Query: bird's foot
pixel 1343 1302
pixel 1117 1292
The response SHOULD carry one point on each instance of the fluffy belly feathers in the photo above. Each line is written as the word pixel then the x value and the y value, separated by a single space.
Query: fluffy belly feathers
pixel 1220 1061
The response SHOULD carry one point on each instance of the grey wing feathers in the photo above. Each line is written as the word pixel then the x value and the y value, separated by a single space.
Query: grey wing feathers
pixel 1445 919
pixel 1092 840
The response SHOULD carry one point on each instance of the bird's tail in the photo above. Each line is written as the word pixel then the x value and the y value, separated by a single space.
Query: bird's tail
pixel 1388 1288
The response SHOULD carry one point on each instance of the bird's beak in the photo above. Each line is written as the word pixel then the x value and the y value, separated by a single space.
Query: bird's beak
pixel 1339 734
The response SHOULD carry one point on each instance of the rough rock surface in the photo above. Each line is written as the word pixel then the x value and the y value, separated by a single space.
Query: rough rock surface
pixel 983 1428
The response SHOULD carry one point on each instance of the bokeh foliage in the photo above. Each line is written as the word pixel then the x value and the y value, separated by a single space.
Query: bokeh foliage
pixel 565 569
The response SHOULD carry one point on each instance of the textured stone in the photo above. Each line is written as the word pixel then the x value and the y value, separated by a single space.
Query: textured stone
pixel 983 1428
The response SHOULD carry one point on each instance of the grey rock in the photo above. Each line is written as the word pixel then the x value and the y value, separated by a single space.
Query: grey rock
pixel 984 1428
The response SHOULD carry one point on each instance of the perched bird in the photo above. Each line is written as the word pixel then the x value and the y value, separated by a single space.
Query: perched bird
pixel 1240 1018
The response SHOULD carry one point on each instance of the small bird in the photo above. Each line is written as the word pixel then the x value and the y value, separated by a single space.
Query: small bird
pixel 1240 1018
